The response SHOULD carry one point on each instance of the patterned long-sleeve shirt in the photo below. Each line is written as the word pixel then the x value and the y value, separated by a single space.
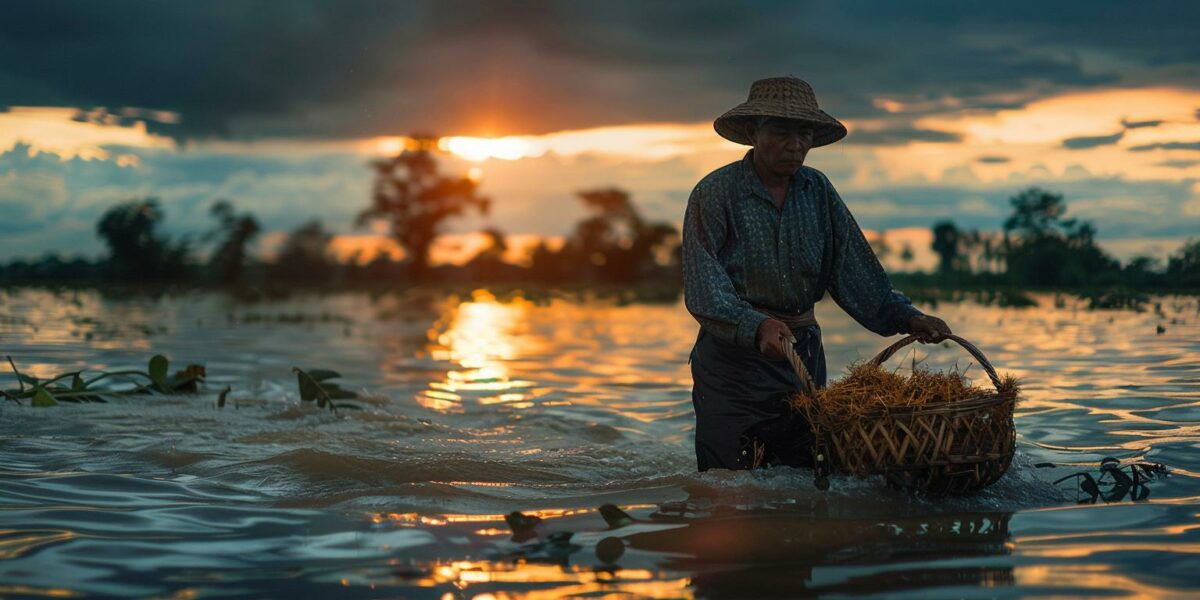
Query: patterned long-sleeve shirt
pixel 741 252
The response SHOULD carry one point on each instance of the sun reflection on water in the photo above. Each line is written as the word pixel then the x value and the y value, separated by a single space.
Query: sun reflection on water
pixel 568 581
pixel 482 336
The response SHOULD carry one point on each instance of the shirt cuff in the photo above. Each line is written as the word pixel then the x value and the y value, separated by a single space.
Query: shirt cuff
pixel 747 329
pixel 903 314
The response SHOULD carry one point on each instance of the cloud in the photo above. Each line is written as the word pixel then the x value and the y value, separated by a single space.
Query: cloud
pixel 361 68
pixel 1141 124
pixel 1083 142
pixel 19 189
pixel 1166 146
pixel 1191 208
pixel 993 160
pixel 978 205
pixel 1179 164
pixel 899 136
pixel 52 204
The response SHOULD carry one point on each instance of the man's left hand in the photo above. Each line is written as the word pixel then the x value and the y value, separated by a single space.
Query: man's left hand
pixel 928 329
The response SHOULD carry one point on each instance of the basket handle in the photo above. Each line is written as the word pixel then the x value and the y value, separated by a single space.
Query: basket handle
pixel 806 381
pixel 888 352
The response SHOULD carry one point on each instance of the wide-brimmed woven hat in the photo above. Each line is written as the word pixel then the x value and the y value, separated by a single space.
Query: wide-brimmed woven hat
pixel 784 97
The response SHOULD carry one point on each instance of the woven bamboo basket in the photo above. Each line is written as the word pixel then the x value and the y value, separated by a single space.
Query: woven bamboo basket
pixel 953 447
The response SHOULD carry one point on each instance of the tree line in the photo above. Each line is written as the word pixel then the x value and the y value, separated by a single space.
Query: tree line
pixel 1038 246
pixel 614 244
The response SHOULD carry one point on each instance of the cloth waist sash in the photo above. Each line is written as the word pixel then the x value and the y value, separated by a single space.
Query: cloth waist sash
pixel 792 320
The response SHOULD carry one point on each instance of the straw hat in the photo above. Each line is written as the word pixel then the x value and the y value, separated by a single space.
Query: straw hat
pixel 785 97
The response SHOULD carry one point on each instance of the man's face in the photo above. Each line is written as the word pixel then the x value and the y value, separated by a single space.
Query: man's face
pixel 781 145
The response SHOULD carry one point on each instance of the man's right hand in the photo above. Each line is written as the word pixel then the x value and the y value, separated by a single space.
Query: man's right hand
pixel 772 337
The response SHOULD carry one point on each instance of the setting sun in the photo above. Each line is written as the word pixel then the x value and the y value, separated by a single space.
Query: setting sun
pixel 479 149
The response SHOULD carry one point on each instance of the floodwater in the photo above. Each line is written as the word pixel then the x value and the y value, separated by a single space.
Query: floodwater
pixel 475 406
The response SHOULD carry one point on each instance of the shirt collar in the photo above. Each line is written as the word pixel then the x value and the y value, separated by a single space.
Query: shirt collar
pixel 752 185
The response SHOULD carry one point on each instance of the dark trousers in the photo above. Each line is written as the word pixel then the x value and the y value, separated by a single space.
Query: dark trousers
pixel 742 420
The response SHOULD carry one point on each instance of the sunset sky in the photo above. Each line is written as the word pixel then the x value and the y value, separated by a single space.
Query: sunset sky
pixel 951 107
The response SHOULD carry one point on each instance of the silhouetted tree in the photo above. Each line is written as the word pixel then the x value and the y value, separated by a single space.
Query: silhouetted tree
pixel 415 200
pixel 547 264
pixel 1183 267
pixel 235 233
pixel 616 243
pixel 305 254
pixel 1036 212
pixel 945 244
pixel 136 249
pixel 1043 248
pixel 496 246
pixel 906 254
pixel 1140 271
pixel 880 245
pixel 488 263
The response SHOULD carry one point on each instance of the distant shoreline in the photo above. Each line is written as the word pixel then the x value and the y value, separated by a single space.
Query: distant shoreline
pixel 920 288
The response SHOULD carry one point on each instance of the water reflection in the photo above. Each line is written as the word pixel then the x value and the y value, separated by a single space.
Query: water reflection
pixel 553 407
pixel 741 553
pixel 481 339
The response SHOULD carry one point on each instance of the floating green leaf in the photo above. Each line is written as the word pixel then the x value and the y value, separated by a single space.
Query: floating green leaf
pixel 159 365
pixel 315 385
pixel 323 374
pixel 41 397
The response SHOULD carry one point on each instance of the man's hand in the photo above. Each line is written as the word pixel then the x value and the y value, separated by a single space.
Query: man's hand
pixel 772 337
pixel 927 328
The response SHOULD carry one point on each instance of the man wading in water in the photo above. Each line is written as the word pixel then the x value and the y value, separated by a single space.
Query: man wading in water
pixel 763 239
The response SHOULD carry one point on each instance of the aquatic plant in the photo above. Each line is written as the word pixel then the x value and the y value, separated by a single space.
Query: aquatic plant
pixel 1111 484
pixel 1118 298
pixel 315 386
pixel 73 386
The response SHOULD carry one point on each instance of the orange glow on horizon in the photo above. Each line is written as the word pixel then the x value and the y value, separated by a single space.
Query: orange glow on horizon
pixel 449 248
pixel 480 149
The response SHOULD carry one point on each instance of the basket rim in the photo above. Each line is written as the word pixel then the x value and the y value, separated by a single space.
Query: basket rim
pixel 971 403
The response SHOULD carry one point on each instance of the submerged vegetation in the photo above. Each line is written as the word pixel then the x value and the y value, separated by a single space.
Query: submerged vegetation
pixel 1111 484
pixel 314 385
pixel 73 386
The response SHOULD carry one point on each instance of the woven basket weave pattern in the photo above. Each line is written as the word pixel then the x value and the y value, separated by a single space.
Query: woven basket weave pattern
pixel 783 97
pixel 947 448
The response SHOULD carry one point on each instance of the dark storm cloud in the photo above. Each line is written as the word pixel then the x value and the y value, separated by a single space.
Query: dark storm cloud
pixel 360 67
pixel 1167 146
pixel 898 136
pixel 993 160
pixel 1092 141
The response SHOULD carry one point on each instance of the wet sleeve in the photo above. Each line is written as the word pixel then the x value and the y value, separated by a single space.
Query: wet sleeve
pixel 857 282
pixel 708 291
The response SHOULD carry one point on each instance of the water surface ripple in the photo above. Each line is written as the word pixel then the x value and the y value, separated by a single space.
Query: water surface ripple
pixel 476 406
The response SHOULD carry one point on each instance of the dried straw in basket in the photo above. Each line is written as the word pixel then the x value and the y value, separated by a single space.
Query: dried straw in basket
pixel 926 430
